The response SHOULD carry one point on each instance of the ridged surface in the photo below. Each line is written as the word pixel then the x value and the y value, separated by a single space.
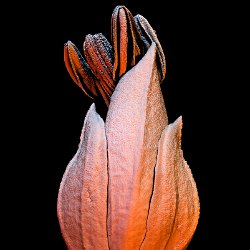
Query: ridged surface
pixel 174 208
pixel 135 120
pixel 149 35
pixel 97 53
pixel 82 197
pixel 126 41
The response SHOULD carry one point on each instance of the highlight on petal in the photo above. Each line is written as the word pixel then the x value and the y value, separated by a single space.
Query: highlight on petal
pixel 82 197
pixel 174 209
pixel 135 120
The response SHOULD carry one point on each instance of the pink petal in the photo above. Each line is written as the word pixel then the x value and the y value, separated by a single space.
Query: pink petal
pixel 135 120
pixel 82 198
pixel 174 209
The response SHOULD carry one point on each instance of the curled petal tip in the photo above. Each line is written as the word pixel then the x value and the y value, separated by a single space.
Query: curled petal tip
pixel 174 208
pixel 82 202
pixel 126 41
pixel 149 35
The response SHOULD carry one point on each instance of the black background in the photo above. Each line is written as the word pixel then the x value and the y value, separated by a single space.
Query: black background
pixel 50 109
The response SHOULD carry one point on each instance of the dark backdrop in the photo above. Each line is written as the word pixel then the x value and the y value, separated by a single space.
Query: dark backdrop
pixel 192 35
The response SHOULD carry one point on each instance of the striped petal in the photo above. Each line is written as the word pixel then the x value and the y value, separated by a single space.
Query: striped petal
pixel 149 35
pixel 126 41
pixel 79 70
pixel 98 54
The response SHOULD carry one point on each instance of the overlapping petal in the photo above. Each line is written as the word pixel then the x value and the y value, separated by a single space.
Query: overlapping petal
pixel 148 35
pixel 174 209
pixel 82 197
pixel 128 187
pixel 135 120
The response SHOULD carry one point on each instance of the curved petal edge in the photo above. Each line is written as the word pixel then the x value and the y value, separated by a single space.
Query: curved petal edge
pixel 82 197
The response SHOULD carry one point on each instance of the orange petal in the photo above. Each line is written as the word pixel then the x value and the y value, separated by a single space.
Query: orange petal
pixel 82 197
pixel 126 41
pixel 97 53
pixel 134 123
pixel 174 208
pixel 79 70
pixel 188 206
pixel 97 56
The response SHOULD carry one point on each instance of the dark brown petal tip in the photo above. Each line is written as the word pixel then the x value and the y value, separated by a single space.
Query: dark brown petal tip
pixel 79 70
pixel 126 41
pixel 98 54
pixel 148 36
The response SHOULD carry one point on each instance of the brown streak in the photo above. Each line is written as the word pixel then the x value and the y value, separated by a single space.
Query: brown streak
pixel 127 41
pixel 114 39
pixel 105 50
pixel 135 40
pixel 70 59
pixel 82 69
pixel 96 62
pixel 70 68
pixel 104 94
pixel 148 33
